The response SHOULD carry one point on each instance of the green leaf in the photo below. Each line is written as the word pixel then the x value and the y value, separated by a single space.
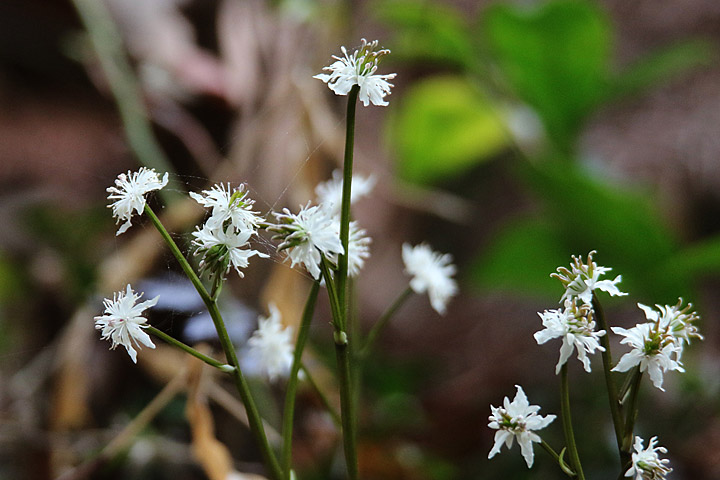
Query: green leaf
pixel 663 64
pixel 521 258
pixel 555 57
pixel 443 127
pixel 427 31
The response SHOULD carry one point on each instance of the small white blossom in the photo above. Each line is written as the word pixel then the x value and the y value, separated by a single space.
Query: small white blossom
pixel 229 204
pixel 582 279
pixel 431 272
pixel 123 323
pixel 652 350
pixel 329 193
pixel 517 420
pixel 646 463
pixel 307 236
pixel 271 345
pixel 129 194
pixel 359 68
pixel 574 324
pixel 674 321
pixel 224 248
pixel 358 249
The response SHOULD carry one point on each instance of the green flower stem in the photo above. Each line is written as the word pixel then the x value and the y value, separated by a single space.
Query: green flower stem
pixel 346 195
pixel 611 388
pixel 345 378
pixel 323 398
pixel 558 458
pixel 289 409
pixel 224 367
pixel 567 423
pixel 383 321
pixel 335 308
pixel 631 413
pixel 179 256
pixel 254 419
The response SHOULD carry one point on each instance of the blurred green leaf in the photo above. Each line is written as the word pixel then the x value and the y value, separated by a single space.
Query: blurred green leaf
pixel 521 258
pixel 444 127
pixel 556 57
pixel 427 31
pixel 663 64
pixel 579 214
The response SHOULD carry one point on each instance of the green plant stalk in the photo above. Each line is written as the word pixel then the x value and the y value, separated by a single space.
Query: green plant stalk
pixel 567 423
pixel 631 413
pixel 612 391
pixel 254 419
pixel 383 321
pixel 346 196
pixel 290 394
pixel 223 367
pixel 345 379
pixel 105 39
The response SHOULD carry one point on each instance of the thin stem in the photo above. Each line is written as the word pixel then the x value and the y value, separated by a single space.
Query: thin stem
pixel 224 367
pixel 345 379
pixel 383 321
pixel 614 400
pixel 290 395
pixel 631 415
pixel 558 458
pixel 217 286
pixel 335 308
pixel 179 256
pixel 254 419
pixel 346 196
pixel 323 398
pixel 567 423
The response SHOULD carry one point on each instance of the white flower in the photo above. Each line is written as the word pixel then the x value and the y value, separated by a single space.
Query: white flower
pixel 358 249
pixel 582 279
pixel 229 204
pixel 222 248
pixel 431 272
pixel 308 236
pixel 329 193
pixel 651 350
pixel 129 194
pixel 517 420
pixel 575 326
pixel 271 345
pixel 674 321
pixel 646 463
pixel 359 69
pixel 123 323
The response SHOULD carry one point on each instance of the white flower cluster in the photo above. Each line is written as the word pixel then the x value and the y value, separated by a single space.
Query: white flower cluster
pixel 224 239
pixel 314 232
pixel 646 463
pixel 123 322
pixel 517 420
pixel 432 273
pixel 271 345
pixel 575 326
pixel 129 192
pixel 582 279
pixel 657 345
pixel 359 68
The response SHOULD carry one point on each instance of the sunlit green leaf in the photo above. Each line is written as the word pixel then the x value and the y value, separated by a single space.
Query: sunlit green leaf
pixel 443 127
